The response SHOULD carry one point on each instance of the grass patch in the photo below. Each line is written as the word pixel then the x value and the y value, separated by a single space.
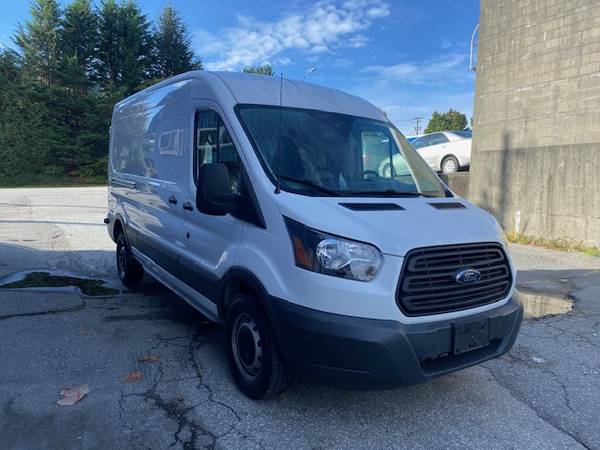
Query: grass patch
pixel 93 288
pixel 47 181
pixel 561 244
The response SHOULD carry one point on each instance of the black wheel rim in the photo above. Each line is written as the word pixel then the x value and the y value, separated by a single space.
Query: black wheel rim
pixel 247 347
pixel 121 260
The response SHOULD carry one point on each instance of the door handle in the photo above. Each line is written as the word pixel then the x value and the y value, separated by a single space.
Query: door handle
pixel 188 206
pixel 172 199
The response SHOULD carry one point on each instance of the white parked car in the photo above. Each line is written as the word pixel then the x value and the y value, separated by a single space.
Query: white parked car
pixel 262 203
pixel 445 151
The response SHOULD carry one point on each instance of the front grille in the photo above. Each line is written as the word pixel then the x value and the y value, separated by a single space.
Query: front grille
pixel 428 281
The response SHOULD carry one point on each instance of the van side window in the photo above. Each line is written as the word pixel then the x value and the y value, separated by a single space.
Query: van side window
pixel 214 144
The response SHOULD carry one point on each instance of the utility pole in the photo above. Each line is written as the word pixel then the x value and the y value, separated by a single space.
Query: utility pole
pixel 417 121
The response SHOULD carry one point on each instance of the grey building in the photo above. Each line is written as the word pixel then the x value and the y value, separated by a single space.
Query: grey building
pixel 536 143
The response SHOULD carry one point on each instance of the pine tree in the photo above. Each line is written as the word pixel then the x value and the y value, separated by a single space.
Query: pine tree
pixel 79 33
pixel 174 54
pixel 39 41
pixel 108 64
pixel 57 93
pixel 124 46
pixel 135 45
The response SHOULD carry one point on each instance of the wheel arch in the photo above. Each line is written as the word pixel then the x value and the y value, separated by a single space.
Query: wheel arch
pixel 241 280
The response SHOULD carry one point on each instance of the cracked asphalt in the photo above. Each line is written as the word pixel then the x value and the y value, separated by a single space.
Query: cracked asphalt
pixel 544 394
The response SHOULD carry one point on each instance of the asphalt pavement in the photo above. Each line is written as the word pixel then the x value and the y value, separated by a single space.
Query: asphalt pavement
pixel 158 377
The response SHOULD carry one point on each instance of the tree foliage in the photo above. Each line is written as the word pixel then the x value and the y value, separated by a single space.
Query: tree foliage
pixel 450 120
pixel 39 41
pixel 80 33
pixel 264 69
pixel 59 88
pixel 173 46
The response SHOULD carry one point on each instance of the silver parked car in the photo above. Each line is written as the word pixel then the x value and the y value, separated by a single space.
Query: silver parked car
pixel 445 151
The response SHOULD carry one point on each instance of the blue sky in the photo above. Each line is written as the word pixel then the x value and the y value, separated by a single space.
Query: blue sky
pixel 409 58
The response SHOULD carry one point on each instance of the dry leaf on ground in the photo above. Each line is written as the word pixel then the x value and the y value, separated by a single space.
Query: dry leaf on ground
pixel 132 377
pixel 71 395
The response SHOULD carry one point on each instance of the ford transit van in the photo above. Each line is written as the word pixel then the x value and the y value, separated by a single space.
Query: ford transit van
pixel 260 201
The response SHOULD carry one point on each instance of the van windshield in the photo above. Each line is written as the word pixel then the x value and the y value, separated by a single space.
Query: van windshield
pixel 330 154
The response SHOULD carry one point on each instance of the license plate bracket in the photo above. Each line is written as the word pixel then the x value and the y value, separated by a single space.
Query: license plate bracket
pixel 471 335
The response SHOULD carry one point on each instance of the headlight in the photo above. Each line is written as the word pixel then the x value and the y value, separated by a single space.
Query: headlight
pixel 332 255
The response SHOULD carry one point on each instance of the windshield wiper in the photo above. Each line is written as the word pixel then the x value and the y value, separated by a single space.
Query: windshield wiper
pixel 390 193
pixel 314 186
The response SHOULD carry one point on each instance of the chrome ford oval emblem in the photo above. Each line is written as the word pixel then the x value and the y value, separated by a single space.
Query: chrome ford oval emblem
pixel 468 276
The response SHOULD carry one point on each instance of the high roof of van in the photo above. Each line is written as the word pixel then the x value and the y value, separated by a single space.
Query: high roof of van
pixel 231 88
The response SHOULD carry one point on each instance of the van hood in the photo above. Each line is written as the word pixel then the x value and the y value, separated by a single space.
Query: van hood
pixel 394 231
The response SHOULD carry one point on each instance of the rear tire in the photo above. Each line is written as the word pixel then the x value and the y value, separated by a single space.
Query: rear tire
pixel 254 359
pixel 450 165
pixel 129 269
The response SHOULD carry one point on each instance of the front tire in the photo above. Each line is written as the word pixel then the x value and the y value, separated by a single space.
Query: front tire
pixel 254 359
pixel 450 165
pixel 129 269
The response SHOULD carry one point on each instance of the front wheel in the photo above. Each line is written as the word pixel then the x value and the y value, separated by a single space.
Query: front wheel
pixel 450 165
pixel 254 360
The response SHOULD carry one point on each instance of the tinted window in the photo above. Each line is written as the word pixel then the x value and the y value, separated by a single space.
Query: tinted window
pixel 214 145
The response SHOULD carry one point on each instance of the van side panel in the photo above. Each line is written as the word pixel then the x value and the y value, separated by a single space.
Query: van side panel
pixel 147 158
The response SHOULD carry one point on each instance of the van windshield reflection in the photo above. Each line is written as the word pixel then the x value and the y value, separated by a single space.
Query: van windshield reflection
pixel 323 154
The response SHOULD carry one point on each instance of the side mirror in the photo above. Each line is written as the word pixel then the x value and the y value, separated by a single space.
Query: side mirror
pixel 213 195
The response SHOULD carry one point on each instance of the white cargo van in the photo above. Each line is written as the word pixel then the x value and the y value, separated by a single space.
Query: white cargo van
pixel 249 197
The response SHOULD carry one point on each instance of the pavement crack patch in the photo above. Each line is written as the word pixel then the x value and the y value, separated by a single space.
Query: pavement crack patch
pixel 194 345
pixel 549 420
pixel 49 312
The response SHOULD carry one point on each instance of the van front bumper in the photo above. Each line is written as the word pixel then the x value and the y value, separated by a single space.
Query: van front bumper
pixel 379 354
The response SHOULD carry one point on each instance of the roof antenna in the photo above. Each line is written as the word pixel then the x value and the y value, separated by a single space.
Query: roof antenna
pixel 277 185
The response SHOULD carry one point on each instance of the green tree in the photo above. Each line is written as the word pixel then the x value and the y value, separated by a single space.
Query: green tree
pixel 108 63
pixel 264 69
pixel 124 45
pixel 80 33
pixel 39 41
pixel 173 48
pixel 58 91
pixel 450 120
pixel 135 46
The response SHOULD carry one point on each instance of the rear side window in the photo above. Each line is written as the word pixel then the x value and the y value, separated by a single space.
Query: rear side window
pixel 213 144
pixel 437 138
pixel 431 139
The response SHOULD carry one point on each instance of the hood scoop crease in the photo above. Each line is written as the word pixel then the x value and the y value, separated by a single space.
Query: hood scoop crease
pixel 372 206
pixel 447 205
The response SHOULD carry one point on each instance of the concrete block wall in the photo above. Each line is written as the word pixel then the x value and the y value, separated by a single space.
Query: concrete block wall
pixel 536 123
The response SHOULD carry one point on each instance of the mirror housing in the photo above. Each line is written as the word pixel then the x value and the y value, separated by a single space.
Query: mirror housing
pixel 213 195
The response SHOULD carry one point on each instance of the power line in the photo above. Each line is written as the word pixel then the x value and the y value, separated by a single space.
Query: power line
pixel 417 122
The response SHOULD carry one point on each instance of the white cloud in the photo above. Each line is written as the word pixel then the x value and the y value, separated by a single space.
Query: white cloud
pixel 378 11
pixel 411 89
pixel 445 69
pixel 446 44
pixel 321 28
